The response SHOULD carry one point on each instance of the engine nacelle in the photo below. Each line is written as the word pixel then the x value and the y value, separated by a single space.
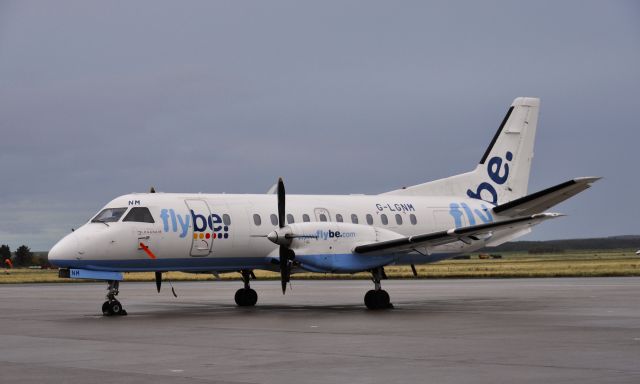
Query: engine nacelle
pixel 328 246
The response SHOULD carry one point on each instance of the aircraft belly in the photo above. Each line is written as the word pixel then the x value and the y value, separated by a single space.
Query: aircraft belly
pixel 170 264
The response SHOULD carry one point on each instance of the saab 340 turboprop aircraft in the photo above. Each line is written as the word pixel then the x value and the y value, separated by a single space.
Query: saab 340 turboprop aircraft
pixel 216 233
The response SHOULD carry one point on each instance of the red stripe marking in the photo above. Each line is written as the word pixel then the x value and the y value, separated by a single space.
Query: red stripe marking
pixel 147 251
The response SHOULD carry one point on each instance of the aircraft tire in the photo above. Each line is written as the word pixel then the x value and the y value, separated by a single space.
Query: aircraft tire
pixel 369 299
pixel 115 308
pixel 377 300
pixel 383 299
pixel 246 297
pixel 252 297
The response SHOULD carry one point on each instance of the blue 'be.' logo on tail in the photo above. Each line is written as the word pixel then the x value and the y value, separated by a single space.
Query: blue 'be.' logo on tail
pixel 498 171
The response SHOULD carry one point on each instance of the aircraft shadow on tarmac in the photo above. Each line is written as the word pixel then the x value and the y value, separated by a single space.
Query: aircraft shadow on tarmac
pixel 423 307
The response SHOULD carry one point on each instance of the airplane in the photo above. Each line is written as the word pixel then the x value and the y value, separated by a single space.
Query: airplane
pixel 221 233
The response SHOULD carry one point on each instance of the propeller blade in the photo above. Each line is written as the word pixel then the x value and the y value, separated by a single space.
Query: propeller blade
pixel 286 255
pixel 281 210
pixel 158 280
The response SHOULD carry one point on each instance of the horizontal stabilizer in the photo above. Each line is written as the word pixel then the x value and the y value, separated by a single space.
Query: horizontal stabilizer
pixel 545 199
pixel 406 244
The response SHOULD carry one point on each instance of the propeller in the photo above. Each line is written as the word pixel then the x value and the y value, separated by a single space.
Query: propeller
pixel 286 254
pixel 282 238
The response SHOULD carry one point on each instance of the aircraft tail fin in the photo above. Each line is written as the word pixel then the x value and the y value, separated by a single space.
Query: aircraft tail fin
pixel 503 172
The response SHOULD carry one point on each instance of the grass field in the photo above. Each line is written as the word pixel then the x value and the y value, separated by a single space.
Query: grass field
pixel 569 264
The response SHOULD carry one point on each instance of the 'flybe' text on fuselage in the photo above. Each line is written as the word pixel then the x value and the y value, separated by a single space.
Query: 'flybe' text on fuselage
pixel 211 225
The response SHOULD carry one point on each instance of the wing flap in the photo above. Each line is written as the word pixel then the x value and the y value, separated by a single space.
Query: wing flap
pixel 452 235
pixel 545 199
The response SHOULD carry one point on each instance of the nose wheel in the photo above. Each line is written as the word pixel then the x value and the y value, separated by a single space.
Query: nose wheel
pixel 377 298
pixel 112 306
pixel 246 297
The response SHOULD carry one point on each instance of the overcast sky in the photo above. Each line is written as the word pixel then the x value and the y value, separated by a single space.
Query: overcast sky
pixel 99 99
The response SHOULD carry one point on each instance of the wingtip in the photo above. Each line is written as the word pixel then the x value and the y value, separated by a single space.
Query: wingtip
pixel 588 179
pixel 548 215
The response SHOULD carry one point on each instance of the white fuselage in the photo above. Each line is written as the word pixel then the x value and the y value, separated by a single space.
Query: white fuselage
pixel 225 232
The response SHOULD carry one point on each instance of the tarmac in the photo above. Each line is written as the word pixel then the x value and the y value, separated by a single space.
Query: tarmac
pixel 578 330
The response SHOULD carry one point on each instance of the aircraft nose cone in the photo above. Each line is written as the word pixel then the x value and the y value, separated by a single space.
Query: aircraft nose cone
pixel 65 249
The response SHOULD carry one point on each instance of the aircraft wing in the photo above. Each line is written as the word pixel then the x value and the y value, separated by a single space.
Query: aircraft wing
pixel 545 199
pixel 472 232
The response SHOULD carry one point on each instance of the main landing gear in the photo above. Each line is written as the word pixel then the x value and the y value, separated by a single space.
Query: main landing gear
pixel 377 298
pixel 246 297
pixel 112 307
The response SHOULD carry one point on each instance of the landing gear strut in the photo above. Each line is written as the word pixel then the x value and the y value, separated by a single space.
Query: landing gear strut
pixel 246 297
pixel 112 307
pixel 377 298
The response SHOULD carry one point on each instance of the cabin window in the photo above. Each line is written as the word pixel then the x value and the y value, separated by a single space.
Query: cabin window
pixel 139 215
pixel 305 218
pixel 384 219
pixel 290 219
pixel 109 215
pixel 226 219
pixel 413 219
pixel 369 219
pixel 274 219
pixel 398 219
pixel 339 218
pixel 256 219
pixel 354 218
pixel 323 217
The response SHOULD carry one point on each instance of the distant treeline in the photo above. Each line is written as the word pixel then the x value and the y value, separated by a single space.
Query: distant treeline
pixel 559 246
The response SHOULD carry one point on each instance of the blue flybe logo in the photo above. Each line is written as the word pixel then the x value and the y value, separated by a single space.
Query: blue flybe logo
pixel 458 211
pixel 498 171
pixel 325 235
pixel 204 227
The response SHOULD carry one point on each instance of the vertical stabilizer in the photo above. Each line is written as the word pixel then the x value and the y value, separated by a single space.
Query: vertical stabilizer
pixel 503 172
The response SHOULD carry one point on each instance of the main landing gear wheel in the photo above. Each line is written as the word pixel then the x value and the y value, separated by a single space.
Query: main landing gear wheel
pixel 246 297
pixel 377 298
pixel 112 307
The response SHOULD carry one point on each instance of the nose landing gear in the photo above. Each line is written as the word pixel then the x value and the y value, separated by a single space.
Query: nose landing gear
pixel 112 307
pixel 377 298
pixel 246 297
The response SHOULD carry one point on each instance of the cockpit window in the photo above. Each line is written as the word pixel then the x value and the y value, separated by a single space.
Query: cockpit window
pixel 109 215
pixel 139 215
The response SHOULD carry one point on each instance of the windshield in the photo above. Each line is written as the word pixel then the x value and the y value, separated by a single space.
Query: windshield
pixel 140 215
pixel 109 215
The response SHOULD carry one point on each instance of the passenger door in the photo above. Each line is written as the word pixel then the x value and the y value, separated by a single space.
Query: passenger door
pixel 201 232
